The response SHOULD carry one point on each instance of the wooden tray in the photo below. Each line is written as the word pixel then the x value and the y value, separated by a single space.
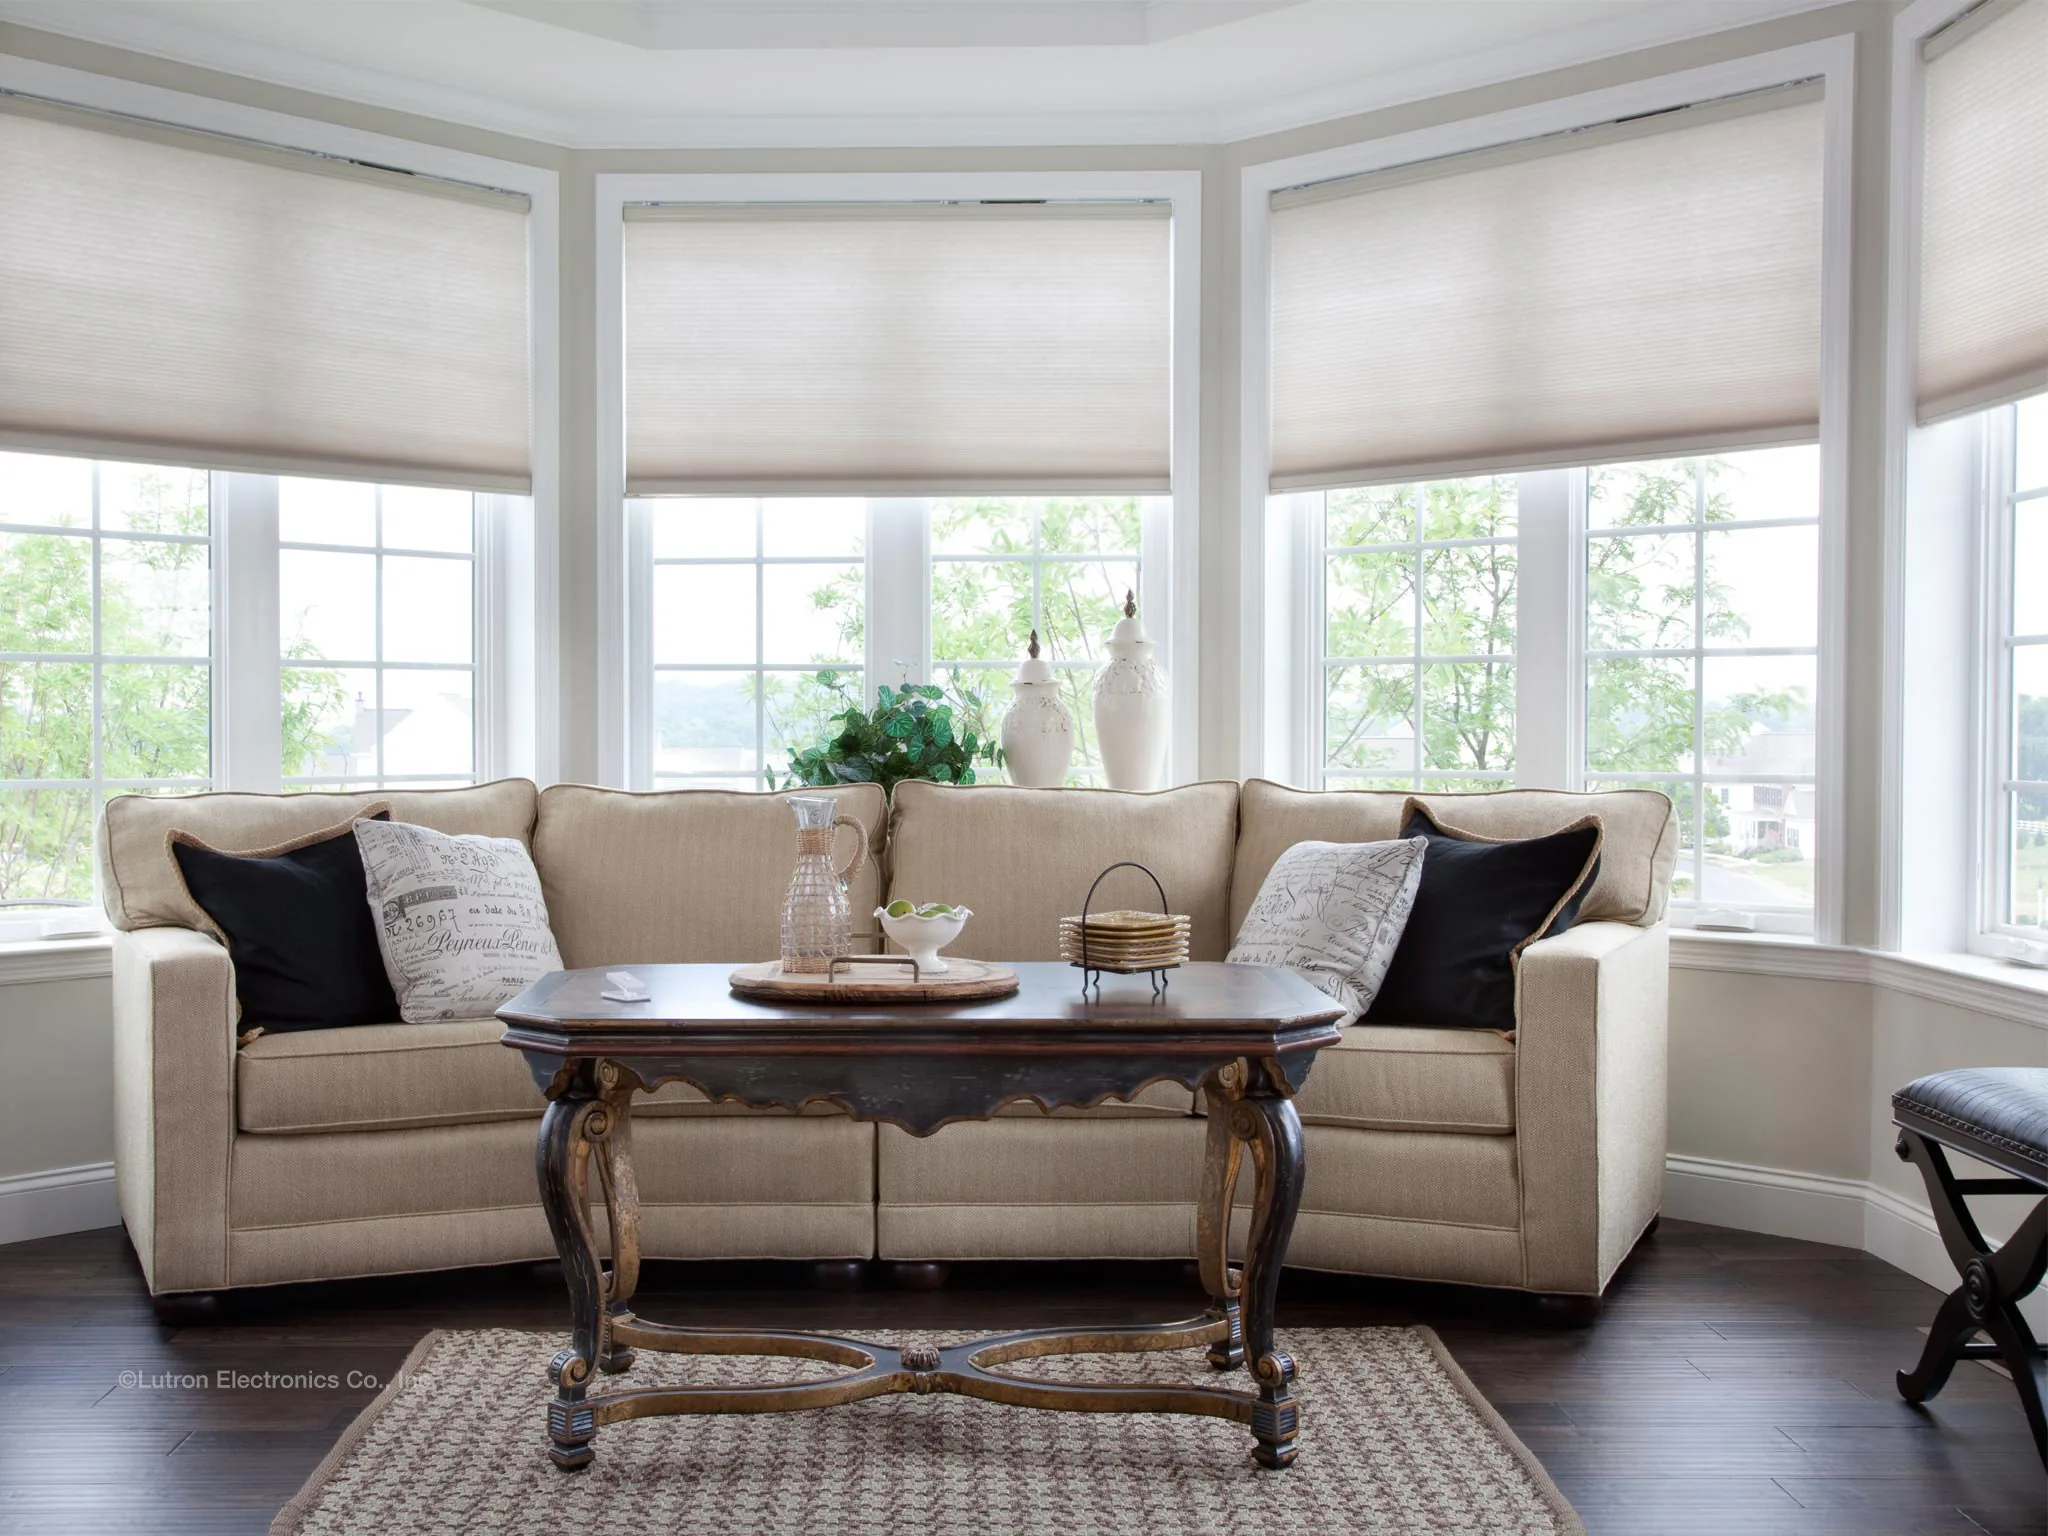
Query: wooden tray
pixel 872 982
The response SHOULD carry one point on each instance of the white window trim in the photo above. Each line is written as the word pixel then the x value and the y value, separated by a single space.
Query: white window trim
pixel 1272 740
pixel 524 709
pixel 1992 760
pixel 621 641
pixel 1939 731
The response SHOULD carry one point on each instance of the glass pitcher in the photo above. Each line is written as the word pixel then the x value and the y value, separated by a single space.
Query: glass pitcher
pixel 817 918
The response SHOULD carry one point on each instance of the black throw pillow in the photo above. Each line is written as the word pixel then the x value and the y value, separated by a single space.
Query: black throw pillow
pixel 296 922
pixel 1481 902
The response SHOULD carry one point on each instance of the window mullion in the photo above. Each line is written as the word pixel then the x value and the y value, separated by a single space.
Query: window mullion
pixel 1545 550
pixel 248 683
pixel 899 592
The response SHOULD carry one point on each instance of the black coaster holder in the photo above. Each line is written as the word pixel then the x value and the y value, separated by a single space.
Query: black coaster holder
pixel 1092 972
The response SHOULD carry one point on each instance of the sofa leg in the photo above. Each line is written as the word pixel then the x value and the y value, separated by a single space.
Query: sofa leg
pixel 919 1275
pixel 838 1274
pixel 188 1309
pixel 1564 1311
pixel 1656 1221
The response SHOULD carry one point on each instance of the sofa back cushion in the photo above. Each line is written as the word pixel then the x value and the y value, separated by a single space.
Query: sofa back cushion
pixel 1634 882
pixel 1024 858
pixel 684 875
pixel 140 884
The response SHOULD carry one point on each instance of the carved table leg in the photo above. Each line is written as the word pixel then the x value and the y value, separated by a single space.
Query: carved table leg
pixel 622 1209
pixel 1265 1118
pixel 1225 1152
pixel 562 1157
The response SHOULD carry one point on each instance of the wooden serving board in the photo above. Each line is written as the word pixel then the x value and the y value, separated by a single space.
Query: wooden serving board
pixel 962 981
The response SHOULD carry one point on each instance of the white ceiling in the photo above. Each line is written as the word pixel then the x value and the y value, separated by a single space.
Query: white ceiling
pixel 687 73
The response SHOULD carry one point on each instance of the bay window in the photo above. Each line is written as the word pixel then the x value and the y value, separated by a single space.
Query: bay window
pixel 878 430
pixel 1537 414
pixel 1690 661
pixel 272 418
pixel 759 607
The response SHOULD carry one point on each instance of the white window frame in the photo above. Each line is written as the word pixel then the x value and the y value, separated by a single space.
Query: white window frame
pixel 517 704
pixel 896 538
pixel 1997 693
pixel 1277 600
pixel 1942 681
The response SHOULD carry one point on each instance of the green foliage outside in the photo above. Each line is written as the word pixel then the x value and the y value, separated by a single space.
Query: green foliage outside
pixel 1431 570
pixel 909 734
pixel 983 610
pixel 155 716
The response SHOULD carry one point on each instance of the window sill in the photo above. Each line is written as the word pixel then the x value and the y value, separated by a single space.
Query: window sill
pixel 1975 982
pixel 25 961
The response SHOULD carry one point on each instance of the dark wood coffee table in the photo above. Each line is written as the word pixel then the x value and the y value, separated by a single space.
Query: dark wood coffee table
pixel 1244 1036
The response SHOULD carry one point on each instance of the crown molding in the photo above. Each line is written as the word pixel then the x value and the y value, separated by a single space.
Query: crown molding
pixel 163 38
pixel 1629 32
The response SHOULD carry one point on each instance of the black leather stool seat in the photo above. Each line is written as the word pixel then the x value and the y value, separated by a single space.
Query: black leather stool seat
pixel 1997 1114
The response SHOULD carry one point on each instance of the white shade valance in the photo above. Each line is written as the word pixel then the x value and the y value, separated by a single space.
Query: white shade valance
pixel 1625 291
pixel 1983 325
pixel 186 297
pixel 897 349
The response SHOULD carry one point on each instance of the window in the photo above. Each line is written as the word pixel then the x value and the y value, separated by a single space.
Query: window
pixel 1702 622
pixel 1692 663
pixel 1418 635
pixel 2017 781
pixel 758 627
pixel 1002 567
pixel 106 654
pixel 115 676
pixel 758 611
pixel 377 629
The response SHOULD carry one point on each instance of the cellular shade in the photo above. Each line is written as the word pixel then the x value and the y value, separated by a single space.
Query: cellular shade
pixel 1620 292
pixel 1984 212
pixel 183 297
pixel 897 349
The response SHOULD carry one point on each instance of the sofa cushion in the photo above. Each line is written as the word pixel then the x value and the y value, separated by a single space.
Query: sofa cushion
pixel 1482 902
pixel 459 920
pixel 1382 1077
pixel 1636 858
pixel 1024 858
pixel 140 885
pixel 683 875
pixel 296 922
pixel 382 1077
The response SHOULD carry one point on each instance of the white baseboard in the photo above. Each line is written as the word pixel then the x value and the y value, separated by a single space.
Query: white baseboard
pixel 57 1201
pixel 1849 1213
pixel 1814 1206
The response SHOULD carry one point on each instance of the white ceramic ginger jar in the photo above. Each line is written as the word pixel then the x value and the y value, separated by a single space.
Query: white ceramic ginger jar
pixel 1038 733
pixel 1131 707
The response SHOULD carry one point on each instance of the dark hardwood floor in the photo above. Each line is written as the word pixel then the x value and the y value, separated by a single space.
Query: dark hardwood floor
pixel 1736 1383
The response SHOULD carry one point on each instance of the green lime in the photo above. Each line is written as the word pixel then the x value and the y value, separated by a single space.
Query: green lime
pixel 900 908
pixel 935 909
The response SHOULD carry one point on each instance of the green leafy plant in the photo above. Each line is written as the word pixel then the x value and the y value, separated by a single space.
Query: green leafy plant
pixel 918 731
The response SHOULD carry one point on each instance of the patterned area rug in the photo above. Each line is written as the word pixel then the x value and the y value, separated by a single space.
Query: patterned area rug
pixel 1393 1439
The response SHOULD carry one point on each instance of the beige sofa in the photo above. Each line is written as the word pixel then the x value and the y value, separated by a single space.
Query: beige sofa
pixel 1530 1161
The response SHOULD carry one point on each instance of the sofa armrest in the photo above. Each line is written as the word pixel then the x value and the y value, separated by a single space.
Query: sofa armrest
pixel 1591 1008
pixel 174 1102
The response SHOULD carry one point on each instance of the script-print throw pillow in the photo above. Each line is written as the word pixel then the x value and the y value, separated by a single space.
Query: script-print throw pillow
pixel 1334 912
pixel 460 920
